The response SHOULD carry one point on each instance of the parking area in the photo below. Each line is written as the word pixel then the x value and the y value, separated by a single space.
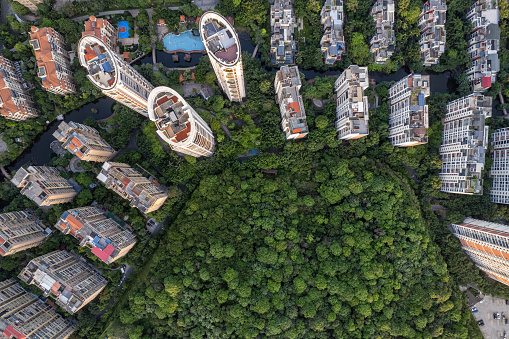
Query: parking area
pixel 493 328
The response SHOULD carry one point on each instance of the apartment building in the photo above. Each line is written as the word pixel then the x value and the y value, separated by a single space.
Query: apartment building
pixel 54 66
pixel 102 29
pixel 383 43
pixel 178 124
pixel 84 142
pixel 432 26
pixel 144 194
pixel 23 315
pixel 19 231
pixel 104 236
pixel 69 278
pixel 282 23
pixel 116 78
pixel 30 4
pixel 44 185
pixel 15 101
pixel 464 144
pixel 484 44
pixel 499 192
pixel 408 118
pixel 293 116
pixel 352 113
pixel 333 40
pixel 223 48
pixel 487 245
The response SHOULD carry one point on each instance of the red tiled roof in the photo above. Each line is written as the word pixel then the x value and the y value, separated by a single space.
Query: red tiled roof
pixel 103 254
pixel 293 107
pixel 486 82
pixel 10 332
pixel 75 223
pixel 76 142
pixel 162 100
pixel 126 182
pixel 55 287
pixel 182 135
pixel 71 146
pixel 79 154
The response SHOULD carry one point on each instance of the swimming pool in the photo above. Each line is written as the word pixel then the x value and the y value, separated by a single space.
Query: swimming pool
pixel 185 41
pixel 123 29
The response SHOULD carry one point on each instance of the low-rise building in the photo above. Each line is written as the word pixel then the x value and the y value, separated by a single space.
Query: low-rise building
pixel 127 182
pixel 102 29
pixel 15 101
pixel 44 185
pixel 432 26
pixel 499 171
pixel 84 142
pixel 282 23
pixel 333 40
pixel 19 231
pixel 408 118
pixel 464 144
pixel 104 236
pixel 293 116
pixel 352 113
pixel 383 43
pixel 69 278
pixel 54 66
pixel 23 315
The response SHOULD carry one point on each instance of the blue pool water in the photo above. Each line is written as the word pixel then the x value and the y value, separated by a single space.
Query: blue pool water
pixel 125 34
pixel 185 41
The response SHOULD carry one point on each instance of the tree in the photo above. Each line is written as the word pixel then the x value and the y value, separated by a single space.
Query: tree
pixel 359 50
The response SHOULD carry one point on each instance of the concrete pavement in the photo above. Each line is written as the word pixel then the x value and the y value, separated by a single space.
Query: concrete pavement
pixel 134 13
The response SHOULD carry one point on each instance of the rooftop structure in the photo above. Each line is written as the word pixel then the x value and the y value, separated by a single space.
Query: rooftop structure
pixel 15 101
pixel 23 315
pixel 103 30
pixel 383 43
pixel 333 41
pixel 352 112
pixel 83 141
pixel 106 238
pixel 116 78
pixel 68 277
pixel 282 24
pixel 293 116
pixel 487 245
pixel 223 48
pixel 499 171
pixel 432 26
pixel 19 231
pixel 44 185
pixel 178 124
pixel 54 67
pixel 408 119
pixel 127 182
pixel 464 144
pixel 484 44
pixel 30 4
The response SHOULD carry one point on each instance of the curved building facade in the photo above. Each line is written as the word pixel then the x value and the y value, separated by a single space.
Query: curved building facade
pixel 178 124
pixel 116 78
pixel 223 47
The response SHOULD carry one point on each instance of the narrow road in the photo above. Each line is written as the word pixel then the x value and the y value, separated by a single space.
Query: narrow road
pixel 134 13
pixel 128 271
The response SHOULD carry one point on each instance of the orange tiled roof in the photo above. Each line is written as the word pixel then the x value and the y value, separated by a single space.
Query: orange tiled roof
pixel 294 106
pixel 77 142
pixel 75 223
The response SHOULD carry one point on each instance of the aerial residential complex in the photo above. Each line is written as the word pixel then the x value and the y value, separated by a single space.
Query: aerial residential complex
pixel 484 44
pixel 54 66
pixel 499 171
pixel 127 182
pixel 432 26
pixel 30 4
pixel 293 116
pixel 464 144
pixel 408 118
pixel 487 244
pixel 223 48
pixel 283 22
pixel 352 112
pixel 178 124
pixel 90 225
pixel 15 101
pixel 109 72
pixel 103 30
pixel 19 231
pixel 383 43
pixel 333 41
pixel 44 185
pixel 69 278
pixel 23 315
pixel 84 142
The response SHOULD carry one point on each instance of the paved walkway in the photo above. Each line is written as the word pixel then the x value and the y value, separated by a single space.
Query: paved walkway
pixel 134 13
pixel 74 165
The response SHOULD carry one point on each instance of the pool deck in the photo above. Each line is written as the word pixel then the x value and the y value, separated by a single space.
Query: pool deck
pixel 174 51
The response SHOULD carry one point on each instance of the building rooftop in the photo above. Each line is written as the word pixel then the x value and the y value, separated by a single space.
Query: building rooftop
pixel 220 38
pixel 96 57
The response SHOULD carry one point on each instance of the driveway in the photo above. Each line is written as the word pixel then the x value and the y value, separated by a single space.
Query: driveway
pixel 134 13
pixel 493 328
pixel 206 4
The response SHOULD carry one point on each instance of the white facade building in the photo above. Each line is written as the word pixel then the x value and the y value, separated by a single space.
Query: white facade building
pixel 383 43
pixel 432 26
pixel 333 40
pixel 499 192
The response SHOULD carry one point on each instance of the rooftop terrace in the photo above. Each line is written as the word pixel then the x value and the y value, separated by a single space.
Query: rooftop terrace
pixel 220 38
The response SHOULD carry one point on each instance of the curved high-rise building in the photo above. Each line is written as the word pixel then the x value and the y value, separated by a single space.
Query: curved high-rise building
pixel 116 78
pixel 178 124
pixel 223 47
